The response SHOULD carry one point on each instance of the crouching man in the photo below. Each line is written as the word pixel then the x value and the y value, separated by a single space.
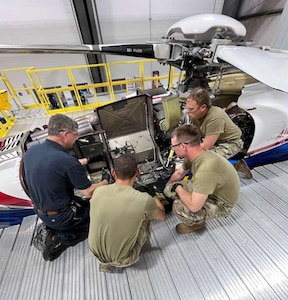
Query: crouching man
pixel 120 217
pixel 52 174
pixel 215 184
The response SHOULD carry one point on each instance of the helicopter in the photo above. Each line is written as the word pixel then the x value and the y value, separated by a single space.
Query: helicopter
pixel 209 50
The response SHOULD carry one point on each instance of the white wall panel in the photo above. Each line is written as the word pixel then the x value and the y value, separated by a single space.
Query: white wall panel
pixel 52 22
pixel 40 22
pixel 137 21
pixel 262 30
pixel 281 37
pixel 133 21
pixel 249 7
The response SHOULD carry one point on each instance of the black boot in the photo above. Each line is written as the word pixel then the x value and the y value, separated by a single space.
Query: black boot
pixel 53 247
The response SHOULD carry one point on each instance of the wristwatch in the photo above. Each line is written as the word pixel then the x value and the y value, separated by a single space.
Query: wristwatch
pixel 173 189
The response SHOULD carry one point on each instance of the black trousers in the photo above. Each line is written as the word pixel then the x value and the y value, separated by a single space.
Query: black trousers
pixel 72 225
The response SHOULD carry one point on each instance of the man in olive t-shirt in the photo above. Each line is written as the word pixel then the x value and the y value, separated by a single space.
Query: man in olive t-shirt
pixel 120 217
pixel 215 187
pixel 218 132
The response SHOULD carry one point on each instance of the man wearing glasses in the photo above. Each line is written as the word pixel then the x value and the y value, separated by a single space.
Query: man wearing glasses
pixel 218 131
pixel 215 184
pixel 51 175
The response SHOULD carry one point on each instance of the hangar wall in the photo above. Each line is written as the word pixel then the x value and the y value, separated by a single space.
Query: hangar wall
pixel 261 19
pixel 281 38
pixel 147 20
pixel 39 22
pixel 54 22
pixel 141 21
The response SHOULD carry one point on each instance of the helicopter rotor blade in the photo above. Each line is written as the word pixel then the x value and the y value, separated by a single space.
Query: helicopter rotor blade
pixel 157 50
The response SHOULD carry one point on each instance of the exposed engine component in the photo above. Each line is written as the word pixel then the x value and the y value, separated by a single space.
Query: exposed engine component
pixel 126 149
pixel 245 122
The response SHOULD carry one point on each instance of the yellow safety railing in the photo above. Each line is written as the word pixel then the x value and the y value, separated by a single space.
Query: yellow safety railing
pixel 7 119
pixel 36 93
pixel 16 91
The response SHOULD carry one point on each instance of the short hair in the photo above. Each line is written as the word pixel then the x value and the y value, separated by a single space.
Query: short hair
pixel 187 133
pixel 125 166
pixel 59 122
pixel 200 96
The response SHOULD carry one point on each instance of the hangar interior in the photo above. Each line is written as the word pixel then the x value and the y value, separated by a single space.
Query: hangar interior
pixel 241 257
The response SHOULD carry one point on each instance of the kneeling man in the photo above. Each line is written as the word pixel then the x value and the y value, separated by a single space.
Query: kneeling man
pixel 120 217
pixel 215 184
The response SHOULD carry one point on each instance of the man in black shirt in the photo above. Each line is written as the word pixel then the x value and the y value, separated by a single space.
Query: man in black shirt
pixel 51 175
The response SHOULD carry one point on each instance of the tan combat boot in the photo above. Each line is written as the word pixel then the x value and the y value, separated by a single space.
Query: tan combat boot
pixel 242 168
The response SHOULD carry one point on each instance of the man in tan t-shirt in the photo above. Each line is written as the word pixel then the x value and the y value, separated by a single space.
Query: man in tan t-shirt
pixel 218 131
pixel 120 217
pixel 215 187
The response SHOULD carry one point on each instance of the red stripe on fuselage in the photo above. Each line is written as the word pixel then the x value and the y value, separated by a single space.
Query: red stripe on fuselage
pixel 10 200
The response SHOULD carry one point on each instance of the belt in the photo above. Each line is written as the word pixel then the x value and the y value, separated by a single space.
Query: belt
pixel 235 142
pixel 51 212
